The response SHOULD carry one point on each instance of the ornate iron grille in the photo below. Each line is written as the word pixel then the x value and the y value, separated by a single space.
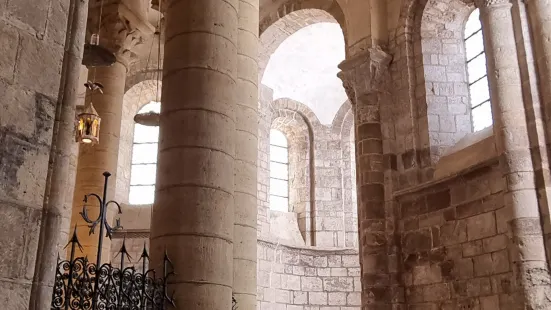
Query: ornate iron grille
pixel 83 285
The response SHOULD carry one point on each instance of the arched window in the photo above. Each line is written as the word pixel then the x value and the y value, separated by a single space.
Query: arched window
pixel 144 159
pixel 279 171
pixel 477 73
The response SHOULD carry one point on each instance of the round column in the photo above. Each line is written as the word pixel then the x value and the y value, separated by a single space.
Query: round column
pixel 119 35
pixel 193 214
pixel 539 12
pixel 527 250
pixel 93 160
pixel 246 156
pixel 362 78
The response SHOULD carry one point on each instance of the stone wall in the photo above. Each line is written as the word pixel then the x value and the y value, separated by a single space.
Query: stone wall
pixel 307 278
pixel 289 277
pixel 321 178
pixel 453 242
pixel 430 110
pixel 32 36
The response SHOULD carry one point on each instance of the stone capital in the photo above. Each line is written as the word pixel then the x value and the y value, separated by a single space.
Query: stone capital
pixel 365 73
pixel 481 4
pixel 121 29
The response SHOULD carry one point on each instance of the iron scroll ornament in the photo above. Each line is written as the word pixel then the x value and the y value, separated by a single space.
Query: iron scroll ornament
pixel 83 285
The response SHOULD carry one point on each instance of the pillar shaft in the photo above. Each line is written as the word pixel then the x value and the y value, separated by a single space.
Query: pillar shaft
pixel 95 159
pixel 193 214
pixel 55 218
pixel 513 146
pixel 539 12
pixel 362 77
pixel 246 156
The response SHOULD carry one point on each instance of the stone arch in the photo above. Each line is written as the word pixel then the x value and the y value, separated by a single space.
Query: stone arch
pixel 136 97
pixel 431 34
pixel 330 6
pixel 303 111
pixel 297 130
pixel 341 116
pixel 344 122
pixel 284 27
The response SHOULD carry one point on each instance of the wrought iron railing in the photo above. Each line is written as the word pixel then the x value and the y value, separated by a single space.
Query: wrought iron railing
pixel 83 285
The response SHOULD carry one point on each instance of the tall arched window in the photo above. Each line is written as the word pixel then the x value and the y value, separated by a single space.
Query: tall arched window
pixel 477 73
pixel 144 159
pixel 279 171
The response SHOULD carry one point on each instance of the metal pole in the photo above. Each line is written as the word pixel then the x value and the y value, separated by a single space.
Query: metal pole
pixel 103 205
pixel 50 238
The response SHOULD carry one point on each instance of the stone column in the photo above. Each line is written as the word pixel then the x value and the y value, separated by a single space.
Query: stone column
pixel 363 79
pixel 55 215
pixel 527 250
pixel 539 12
pixel 246 156
pixel 119 35
pixel 193 214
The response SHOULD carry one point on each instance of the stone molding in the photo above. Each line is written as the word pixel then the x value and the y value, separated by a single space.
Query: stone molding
pixel 121 30
pixel 490 3
pixel 365 73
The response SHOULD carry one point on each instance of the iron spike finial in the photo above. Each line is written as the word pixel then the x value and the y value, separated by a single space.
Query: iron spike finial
pixel 145 254
pixel 74 240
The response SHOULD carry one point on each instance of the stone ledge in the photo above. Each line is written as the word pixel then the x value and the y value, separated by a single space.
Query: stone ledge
pixel 479 168
pixel 306 249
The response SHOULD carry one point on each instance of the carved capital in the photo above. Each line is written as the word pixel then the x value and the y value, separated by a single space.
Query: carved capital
pixel 365 73
pixel 121 29
pixel 491 3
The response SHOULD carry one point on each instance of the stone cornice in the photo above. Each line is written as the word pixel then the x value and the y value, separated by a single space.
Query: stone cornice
pixel 121 29
pixel 365 73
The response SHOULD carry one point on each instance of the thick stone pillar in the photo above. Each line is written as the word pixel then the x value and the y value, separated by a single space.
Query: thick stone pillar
pixel 246 156
pixel 527 252
pixel 93 160
pixel 55 216
pixel 119 35
pixel 363 79
pixel 539 12
pixel 193 214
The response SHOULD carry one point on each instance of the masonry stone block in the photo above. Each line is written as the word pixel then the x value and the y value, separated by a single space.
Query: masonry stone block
pixel 338 284
pixel 453 233
pixel 317 298
pixel 417 240
pixel 481 226
pixel 36 60
pixel 427 274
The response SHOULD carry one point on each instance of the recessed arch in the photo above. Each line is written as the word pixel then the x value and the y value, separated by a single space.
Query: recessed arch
pixel 271 16
pixel 134 99
pixel 286 26
pixel 287 65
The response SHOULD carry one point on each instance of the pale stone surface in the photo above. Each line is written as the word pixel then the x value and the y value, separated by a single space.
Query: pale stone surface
pixel 31 56
pixel 448 220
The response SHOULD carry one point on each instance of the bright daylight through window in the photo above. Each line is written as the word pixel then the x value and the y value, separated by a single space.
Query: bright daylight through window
pixel 279 171
pixel 477 73
pixel 144 159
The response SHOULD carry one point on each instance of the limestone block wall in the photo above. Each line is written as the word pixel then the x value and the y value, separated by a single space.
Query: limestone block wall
pixel 453 242
pixel 32 36
pixel 321 177
pixel 290 276
pixel 307 278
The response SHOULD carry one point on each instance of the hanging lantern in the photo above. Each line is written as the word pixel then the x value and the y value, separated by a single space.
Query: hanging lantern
pixel 89 121
pixel 88 126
